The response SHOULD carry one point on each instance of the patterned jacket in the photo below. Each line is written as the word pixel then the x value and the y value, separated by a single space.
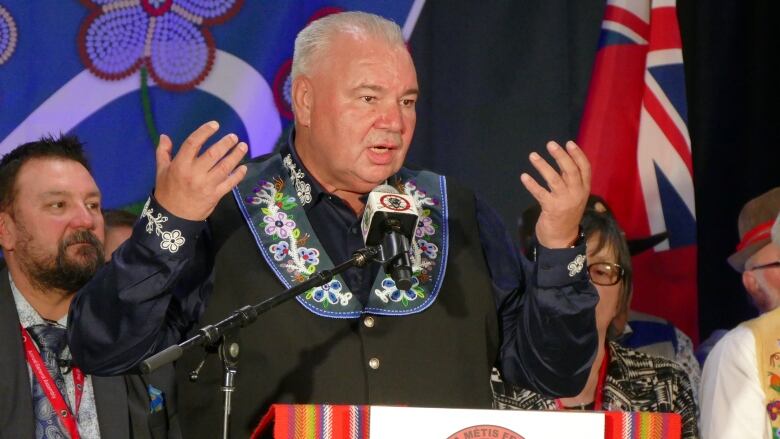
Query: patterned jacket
pixel 634 382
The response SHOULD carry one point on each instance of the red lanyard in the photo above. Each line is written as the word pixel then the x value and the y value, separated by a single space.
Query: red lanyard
pixel 599 397
pixel 50 389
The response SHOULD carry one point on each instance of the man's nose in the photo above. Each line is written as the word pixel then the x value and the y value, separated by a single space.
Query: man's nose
pixel 83 218
pixel 391 118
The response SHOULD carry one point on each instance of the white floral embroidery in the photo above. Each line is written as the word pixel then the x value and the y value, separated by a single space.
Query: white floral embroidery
pixel 576 265
pixel 302 188
pixel 171 240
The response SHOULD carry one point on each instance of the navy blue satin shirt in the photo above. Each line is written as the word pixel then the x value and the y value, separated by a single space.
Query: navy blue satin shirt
pixel 147 298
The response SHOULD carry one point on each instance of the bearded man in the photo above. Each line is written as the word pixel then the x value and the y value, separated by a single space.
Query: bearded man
pixel 51 233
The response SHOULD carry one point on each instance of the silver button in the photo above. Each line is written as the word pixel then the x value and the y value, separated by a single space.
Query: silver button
pixel 369 322
pixel 373 363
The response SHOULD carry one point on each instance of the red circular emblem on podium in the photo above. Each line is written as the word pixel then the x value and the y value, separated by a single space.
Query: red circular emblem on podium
pixel 486 431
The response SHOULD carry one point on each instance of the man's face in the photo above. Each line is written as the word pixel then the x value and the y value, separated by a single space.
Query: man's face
pixel 763 284
pixel 359 113
pixel 53 231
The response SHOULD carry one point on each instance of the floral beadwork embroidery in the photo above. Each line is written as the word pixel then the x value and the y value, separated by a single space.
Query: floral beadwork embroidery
pixel 287 241
pixel 576 265
pixel 424 227
pixel 170 37
pixel 171 240
pixel 279 224
pixel 302 189
pixel 429 249
pixel 390 292
pixel 330 293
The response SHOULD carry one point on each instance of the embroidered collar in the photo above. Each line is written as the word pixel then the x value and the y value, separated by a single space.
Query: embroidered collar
pixel 268 198
pixel 307 189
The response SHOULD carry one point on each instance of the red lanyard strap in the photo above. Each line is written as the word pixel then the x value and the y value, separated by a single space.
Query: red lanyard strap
pixel 57 400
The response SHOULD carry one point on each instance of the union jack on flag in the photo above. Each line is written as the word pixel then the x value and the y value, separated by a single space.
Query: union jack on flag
pixel 634 131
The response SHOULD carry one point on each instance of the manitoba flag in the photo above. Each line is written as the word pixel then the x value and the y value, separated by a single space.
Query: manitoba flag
pixel 634 130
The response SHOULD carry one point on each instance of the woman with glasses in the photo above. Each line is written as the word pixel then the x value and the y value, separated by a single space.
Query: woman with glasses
pixel 620 379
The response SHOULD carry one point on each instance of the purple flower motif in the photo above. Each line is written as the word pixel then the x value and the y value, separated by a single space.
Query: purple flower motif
pixel 169 37
pixel 773 408
pixel 309 255
pixel 279 225
pixel 424 227
pixel 430 249
pixel 280 250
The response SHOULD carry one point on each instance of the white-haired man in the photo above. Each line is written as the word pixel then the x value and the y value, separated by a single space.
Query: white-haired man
pixel 357 339
pixel 740 394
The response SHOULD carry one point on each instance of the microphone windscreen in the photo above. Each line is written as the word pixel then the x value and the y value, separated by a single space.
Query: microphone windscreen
pixel 385 204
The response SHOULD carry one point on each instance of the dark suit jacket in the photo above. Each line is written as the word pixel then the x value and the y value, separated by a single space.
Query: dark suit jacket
pixel 122 402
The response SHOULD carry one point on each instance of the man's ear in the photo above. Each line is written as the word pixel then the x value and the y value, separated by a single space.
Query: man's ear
pixel 302 99
pixel 752 287
pixel 7 231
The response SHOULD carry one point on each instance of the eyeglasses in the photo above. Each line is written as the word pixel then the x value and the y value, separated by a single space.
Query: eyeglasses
pixel 769 265
pixel 607 273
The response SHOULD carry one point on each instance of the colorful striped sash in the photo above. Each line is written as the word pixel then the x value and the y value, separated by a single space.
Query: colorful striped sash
pixel 316 421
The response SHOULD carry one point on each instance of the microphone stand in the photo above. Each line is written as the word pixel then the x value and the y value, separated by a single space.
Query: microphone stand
pixel 224 334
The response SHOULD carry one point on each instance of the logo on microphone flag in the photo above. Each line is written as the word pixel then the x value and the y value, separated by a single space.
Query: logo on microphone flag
pixel 634 131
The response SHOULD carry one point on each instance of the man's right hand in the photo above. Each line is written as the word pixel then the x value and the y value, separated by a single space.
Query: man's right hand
pixel 190 185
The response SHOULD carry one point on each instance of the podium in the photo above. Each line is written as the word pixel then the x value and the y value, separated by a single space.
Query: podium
pixel 380 422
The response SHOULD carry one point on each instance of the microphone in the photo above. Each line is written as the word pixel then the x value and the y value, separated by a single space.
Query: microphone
pixel 776 231
pixel 389 221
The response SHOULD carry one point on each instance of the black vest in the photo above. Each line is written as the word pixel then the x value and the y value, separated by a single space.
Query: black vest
pixel 440 357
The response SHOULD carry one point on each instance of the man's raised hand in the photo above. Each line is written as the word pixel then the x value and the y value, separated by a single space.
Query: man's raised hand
pixel 190 185
pixel 564 202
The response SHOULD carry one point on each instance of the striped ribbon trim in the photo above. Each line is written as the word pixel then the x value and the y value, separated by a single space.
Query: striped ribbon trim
pixel 643 425
pixel 353 422
pixel 316 422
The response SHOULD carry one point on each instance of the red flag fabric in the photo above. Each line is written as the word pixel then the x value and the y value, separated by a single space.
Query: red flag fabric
pixel 634 131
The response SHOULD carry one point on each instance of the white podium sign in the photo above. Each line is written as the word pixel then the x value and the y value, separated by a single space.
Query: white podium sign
pixel 413 422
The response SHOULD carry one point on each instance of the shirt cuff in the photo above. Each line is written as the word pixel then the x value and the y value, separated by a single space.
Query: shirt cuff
pixel 165 233
pixel 560 267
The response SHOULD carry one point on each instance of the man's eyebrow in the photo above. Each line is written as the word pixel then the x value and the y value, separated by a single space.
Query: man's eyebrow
pixel 63 192
pixel 379 88
pixel 372 87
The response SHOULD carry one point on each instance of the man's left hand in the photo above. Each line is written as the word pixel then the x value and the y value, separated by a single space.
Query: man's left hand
pixel 564 203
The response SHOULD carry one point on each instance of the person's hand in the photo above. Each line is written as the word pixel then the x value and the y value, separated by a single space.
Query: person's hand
pixel 564 203
pixel 190 185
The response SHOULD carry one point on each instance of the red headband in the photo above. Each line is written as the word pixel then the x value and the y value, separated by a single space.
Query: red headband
pixel 756 234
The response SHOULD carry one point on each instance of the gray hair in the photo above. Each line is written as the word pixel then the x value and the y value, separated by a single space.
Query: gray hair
pixel 315 37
